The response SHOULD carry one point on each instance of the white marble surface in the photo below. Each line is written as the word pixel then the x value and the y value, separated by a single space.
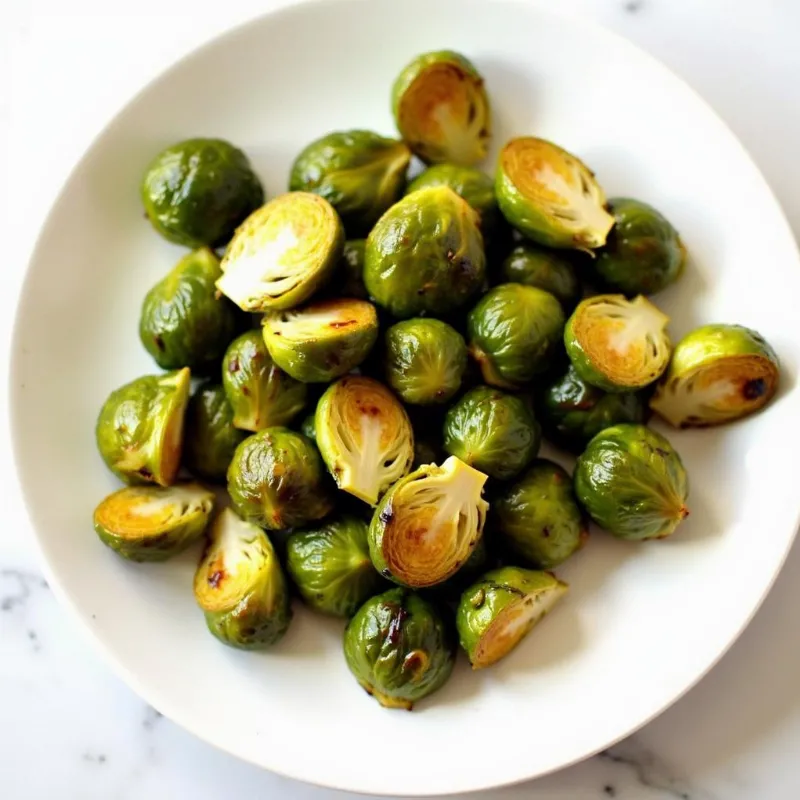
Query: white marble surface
pixel 68 727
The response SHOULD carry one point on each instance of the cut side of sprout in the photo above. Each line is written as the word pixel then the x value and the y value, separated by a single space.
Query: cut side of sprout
pixel 281 253
pixel 433 523
pixel 622 344
pixel 332 318
pixel 239 553
pixel 365 437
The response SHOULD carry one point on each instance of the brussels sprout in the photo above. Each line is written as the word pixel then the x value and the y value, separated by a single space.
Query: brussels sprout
pixel 139 430
pixel 425 452
pixel 399 648
pixel 331 568
pixel 550 196
pixel 358 172
pixel 572 411
pixel 441 108
pixel 492 431
pixel 308 427
pixel 537 518
pixel 425 359
pixel 617 344
pixel 282 253
pixel 322 341
pixel 276 480
pixel 196 192
pixel 349 278
pixel 425 255
pixel 718 373
pixel 364 435
pixel 153 523
pixel 210 437
pixel 183 322
pixel 551 270
pixel 643 254
pixel 240 586
pixel 469 183
pixel 501 608
pixel 632 483
pixel 515 334
pixel 427 525
pixel 260 393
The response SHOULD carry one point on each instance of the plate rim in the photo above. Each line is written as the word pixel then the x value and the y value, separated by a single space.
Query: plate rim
pixel 150 77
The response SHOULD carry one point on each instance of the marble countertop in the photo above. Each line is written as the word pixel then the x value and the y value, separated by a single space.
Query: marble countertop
pixel 71 729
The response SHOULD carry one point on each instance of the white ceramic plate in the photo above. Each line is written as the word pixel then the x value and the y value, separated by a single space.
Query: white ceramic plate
pixel 642 623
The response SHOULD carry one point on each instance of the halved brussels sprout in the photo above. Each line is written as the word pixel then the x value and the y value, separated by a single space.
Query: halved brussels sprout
pixel 183 322
pixel 331 567
pixel 322 341
pixel 358 172
pixel 276 480
pixel 537 518
pixel 617 344
pixel 469 183
pixel 282 253
pixel 427 525
pixel 240 586
pixel 425 255
pixel 348 281
pixel 515 334
pixel 492 431
pixel 364 435
pixel 550 195
pixel 197 192
pixel 441 108
pixel 718 373
pixel 399 648
pixel 153 523
pixel 260 393
pixel 501 608
pixel 210 437
pixel 632 483
pixel 139 430
pixel 550 270
pixel 572 411
pixel 425 360
pixel 644 253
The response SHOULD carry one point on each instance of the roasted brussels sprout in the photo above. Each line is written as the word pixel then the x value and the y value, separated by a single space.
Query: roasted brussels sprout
pixel 153 523
pixel 550 196
pixel 240 586
pixel 492 431
pixel 348 281
pixel 260 393
pixel 427 525
pixel 139 430
pixel 442 110
pixel 399 648
pixel 632 483
pixel 197 192
pixel 515 334
pixel 308 427
pixel 322 341
pixel 210 437
pixel 469 183
pixel 572 411
pixel 718 373
pixel 183 322
pixel 276 480
pixel 617 344
pixel 501 608
pixel 425 360
pixel 282 253
pixel 364 435
pixel 358 172
pixel 643 254
pixel 425 255
pixel 551 270
pixel 537 518
pixel 331 568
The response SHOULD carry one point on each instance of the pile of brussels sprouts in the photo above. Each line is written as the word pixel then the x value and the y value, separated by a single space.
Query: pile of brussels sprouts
pixel 378 359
